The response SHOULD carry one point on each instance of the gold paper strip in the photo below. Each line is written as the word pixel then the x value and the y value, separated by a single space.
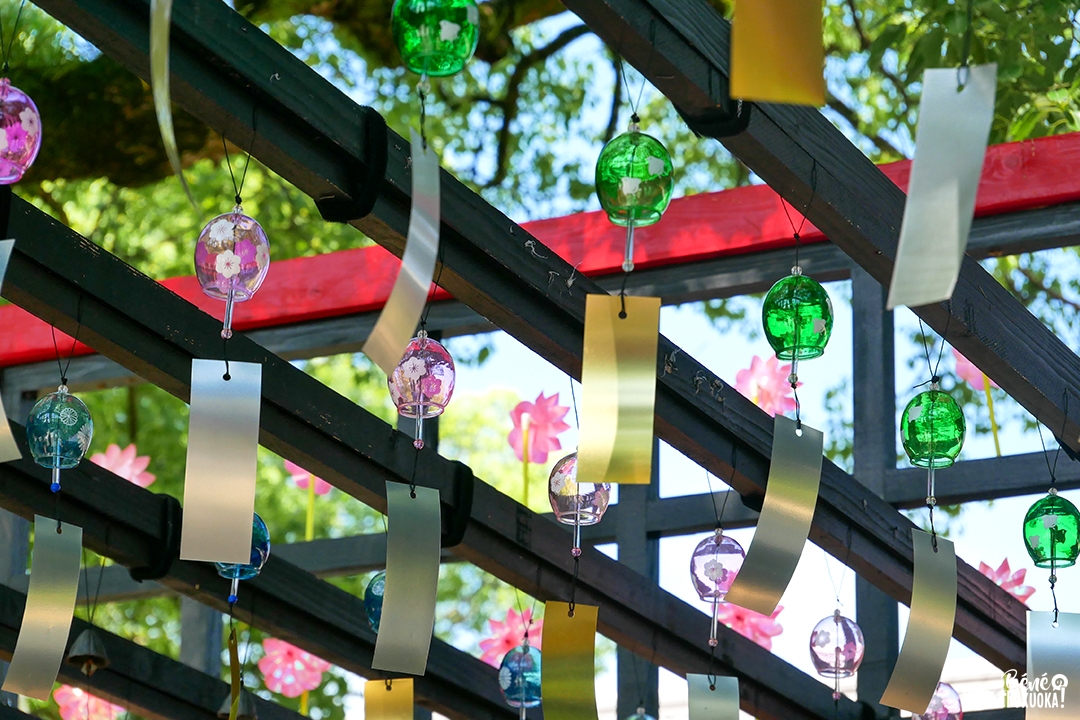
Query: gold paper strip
pixel 929 628
pixel 9 450
pixel 50 604
pixel 222 460
pixel 399 317
pixel 950 144
pixel 567 674
pixel 1053 664
pixel 708 704
pixel 618 390
pixel 777 52
pixel 413 553
pixel 388 699
pixel 790 498
pixel 160 22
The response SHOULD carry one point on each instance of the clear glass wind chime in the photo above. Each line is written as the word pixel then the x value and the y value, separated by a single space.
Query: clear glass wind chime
pixel 932 429
pixel 714 564
pixel 837 645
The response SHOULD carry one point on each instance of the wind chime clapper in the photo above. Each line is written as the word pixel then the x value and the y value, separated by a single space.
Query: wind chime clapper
pixel 634 182
pixel 260 552
pixel 58 431
pixel 519 677
pixel 932 429
pixel 576 504
pixel 422 383
pixel 837 648
pixel 713 566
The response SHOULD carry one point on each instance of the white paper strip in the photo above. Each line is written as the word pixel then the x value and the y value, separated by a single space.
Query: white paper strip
pixel 398 320
pixel 222 460
pixel 708 704
pixel 50 604
pixel 413 554
pixel 790 499
pixel 8 449
pixel 950 144
pixel 1052 691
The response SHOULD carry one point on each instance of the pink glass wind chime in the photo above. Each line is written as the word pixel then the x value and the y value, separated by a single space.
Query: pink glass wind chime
pixel 232 255
pixel 579 504
pixel 20 122
pixel 422 383
pixel 713 566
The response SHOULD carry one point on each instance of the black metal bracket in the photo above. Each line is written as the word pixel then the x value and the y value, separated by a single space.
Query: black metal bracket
pixel 730 118
pixel 455 518
pixel 366 180
pixel 168 551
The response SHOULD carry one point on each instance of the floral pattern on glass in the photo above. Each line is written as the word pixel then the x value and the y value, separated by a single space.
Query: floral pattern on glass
pixel 20 132
pixel 423 381
pixel 232 254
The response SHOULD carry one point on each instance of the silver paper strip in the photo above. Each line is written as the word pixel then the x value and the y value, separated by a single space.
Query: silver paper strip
pixel 950 143
pixel 222 461
pixel 399 317
pixel 413 553
pixel 790 499
pixel 930 624
pixel 9 450
pixel 708 704
pixel 1052 691
pixel 160 25
pixel 50 605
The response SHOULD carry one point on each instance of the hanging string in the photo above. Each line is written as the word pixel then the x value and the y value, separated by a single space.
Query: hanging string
pixel 727 496
pixel 238 188
pixel 91 609
pixel 521 612
pixel 797 231
pixel 573 586
pixel 64 366
pixel 828 569
pixel 573 398
pixel 629 97
pixel 6 49
pixel 431 293
pixel 1053 491
pixel 964 71
pixel 622 296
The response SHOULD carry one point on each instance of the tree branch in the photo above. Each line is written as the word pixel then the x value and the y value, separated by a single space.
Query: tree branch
pixel 1051 293
pixel 852 118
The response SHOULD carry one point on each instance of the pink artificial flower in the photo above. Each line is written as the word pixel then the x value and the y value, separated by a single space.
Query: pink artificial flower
pixel 126 463
pixel 970 374
pixel 288 670
pixel 301 477
pixel 545 422
pixel 752 625
pixel 509 635
pixel 77 704
pixel 765 382
pixel 1012 583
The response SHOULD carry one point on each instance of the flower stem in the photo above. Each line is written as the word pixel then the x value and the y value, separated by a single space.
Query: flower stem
pixel 304 703
pixel 525 462
pixel 309 529
pixel 993 420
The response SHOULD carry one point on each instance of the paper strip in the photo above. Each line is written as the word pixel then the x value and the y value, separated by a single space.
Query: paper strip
pixel 160 23
pixel 930 624
pixel 399 317
pixel 950 144
pixel 413 553
pixel 618 391
pixel 777 52
pixel 707 704
pixel 222 460
pixel 388 699
pixel 1052 657
pixel 568 674
pixel 790 498
pixel 50 605
pixel 9 450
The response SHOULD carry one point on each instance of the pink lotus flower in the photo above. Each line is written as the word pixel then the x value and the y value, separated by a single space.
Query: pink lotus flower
pixel 509 635
pixel 765 382
pixel 77 704
pixel 1012 583
pixel 126 463
pixel 970 374
pixel 545 421
pixel 301 477
pixel 288 670
pixel 752 625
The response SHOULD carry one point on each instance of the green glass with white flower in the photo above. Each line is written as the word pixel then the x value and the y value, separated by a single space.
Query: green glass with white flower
pixel 713 566
pixel 232 257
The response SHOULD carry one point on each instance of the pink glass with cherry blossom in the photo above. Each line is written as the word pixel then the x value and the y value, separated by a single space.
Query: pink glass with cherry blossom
pixel 20 138
pixel 713 566
pixel 422 383
pixel 945 705
pixel 837 647
pixel 232 257
pixel 574 503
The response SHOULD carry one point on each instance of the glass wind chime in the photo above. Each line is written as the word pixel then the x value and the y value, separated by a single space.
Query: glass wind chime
pixel 713 566
pixel 837 648
pixel 58 431
pixel 422 383
pixel 944 705
pixel 232 255
pixel 519 676
pixel 20 121
pixel 373 599
pixel 260 552
pixel 1052 532
pixel 634 182
pixel 574 503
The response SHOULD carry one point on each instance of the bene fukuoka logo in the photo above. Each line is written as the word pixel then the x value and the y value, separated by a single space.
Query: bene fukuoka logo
pixel 1044 691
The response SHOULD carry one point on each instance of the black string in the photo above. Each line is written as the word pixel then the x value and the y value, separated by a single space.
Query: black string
pixel 239 188
pixel 712 673
pixel 532 612
pixel 14 33
pixel 797 231
pixel 933 531
pixel 423 111
pixel 622 296
pixel 718 513
pixel 225 354
pixel 573 586
pixel 934 367
pixel 431 293
pixel 629 97
pixel 573 398
pixel 63 368
pixel 963 71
